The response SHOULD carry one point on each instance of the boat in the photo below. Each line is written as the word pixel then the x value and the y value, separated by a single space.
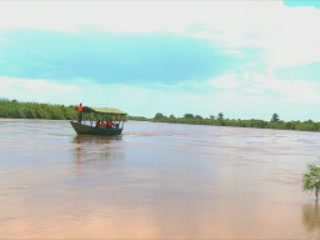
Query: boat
pixel 90 115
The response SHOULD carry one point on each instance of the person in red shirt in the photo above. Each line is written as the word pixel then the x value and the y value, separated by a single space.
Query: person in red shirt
pixel 110 123
pixel 80 110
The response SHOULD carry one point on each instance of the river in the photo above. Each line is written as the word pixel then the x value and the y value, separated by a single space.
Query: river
pixel 156 181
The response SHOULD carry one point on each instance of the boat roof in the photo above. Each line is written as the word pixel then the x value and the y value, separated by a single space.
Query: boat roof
pixel 103 110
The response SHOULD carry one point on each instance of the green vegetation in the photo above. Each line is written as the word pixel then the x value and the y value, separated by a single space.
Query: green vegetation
pixel 275 118
pixel 311 179
pixel 137 118
pixel 220 120
pixel 31 110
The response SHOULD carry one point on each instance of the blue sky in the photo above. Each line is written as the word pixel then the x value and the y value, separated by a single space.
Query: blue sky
pixel 247 59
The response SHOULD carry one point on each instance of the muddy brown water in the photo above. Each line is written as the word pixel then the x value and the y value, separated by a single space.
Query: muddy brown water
pixel 156 181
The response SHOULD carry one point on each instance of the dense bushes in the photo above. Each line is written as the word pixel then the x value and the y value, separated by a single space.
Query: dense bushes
pixel 274 123
pixel 15 109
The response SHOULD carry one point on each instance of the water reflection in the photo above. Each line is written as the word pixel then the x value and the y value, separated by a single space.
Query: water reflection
pixel 92 148
pixel 311 217
pixel 95 139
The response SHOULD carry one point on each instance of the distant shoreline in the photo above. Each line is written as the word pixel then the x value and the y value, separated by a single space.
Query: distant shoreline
pixel 13 109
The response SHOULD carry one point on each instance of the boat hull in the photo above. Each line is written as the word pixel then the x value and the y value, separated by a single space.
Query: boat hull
pixel 82 129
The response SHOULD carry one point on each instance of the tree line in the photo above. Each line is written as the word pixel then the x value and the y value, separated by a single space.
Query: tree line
pixel 32 110
pixel 220 120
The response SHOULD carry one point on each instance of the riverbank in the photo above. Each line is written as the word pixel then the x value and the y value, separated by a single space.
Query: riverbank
pixel 32 110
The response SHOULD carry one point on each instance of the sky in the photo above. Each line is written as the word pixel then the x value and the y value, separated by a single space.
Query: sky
pixel 245 58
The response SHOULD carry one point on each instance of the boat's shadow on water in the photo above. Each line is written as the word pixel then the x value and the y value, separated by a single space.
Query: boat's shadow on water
pixel 89 149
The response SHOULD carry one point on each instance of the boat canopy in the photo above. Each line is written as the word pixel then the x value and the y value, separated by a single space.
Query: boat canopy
pixel 111 111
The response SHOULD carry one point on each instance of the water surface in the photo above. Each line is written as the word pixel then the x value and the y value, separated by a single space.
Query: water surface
pixel 156 181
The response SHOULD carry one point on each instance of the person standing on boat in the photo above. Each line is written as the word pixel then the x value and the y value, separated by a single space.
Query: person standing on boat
pixel 80 110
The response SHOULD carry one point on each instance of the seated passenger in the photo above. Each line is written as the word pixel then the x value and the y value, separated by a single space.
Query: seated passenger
pixel 98 123
pixel 104 124
pixel 110 124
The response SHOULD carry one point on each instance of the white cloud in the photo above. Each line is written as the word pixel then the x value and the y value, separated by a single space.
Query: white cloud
pixel 227 81
pixel 137 100
pixel 287 36
pixel 37 90
pixel 121 16
pixel 293 101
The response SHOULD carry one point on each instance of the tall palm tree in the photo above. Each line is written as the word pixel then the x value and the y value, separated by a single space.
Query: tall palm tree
pixel 311 179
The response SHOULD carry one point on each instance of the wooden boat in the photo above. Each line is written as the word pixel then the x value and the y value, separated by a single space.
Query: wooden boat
pixel 87 126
